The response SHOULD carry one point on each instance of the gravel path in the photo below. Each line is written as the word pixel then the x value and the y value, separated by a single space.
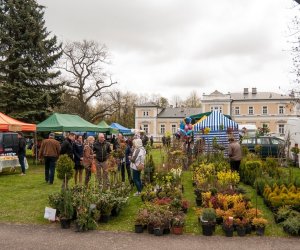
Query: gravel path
pixel 14 236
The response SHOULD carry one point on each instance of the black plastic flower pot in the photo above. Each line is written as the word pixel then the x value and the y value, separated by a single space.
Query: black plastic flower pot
pixel 104 218
pixel 207 229
pixel 219 220
pixel 150 229
pixel 115 212
pixel 241 231
pixel 158 231
pixel 138 229
pixel 260 231
pixel 65 223
pixel 198 202
pixel 228 231
pixel 248 229
pixel 166 231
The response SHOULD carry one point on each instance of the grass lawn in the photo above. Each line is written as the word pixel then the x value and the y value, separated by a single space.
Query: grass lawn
pixel 23 200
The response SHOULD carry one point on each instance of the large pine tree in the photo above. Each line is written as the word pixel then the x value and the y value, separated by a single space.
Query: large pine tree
pixel 27 56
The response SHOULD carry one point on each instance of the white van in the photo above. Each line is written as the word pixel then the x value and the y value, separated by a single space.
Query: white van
pixel 292 128
pixel 251 130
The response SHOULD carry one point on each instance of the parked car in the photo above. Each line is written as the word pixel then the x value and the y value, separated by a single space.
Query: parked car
pixel 8 142
pixel 271 146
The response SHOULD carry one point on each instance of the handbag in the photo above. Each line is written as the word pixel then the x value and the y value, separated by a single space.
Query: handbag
pixel 140 167
pixel 93 167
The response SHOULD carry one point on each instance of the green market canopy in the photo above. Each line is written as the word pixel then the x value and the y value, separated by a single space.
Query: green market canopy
pixel 66 122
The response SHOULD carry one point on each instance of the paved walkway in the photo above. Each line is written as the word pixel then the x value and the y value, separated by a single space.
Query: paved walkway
pixel 14 236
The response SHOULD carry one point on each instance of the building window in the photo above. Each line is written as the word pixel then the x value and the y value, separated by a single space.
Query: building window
pixel 146 113
pixel 237 110
pixel 250 111
pixel 281 110
pixel 281 128
pixel 216 108
pixel 174 128
pixel 265 110
pixel 162 129
pixel 146 128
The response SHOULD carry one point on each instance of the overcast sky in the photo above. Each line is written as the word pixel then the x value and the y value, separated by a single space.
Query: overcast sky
pixel 171 47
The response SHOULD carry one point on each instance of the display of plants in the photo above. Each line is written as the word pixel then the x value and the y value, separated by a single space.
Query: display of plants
pixel 292 224
pixel 228 178
pixel 282 195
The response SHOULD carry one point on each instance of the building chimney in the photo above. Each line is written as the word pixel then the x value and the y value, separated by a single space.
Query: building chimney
pixel 254 91
pixel 246 91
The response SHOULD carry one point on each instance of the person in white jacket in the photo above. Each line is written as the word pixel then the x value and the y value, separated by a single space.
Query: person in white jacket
pixel 137 158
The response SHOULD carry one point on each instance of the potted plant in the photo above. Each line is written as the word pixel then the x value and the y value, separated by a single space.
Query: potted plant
pixel 64 169
pixel 220 214
pixel 65 208
pixel 260 224
pixel 156 220
pixel 198 193
pixel 228 226
pixel 208 221
pixel 86 212
pixel 141 220
pixel 118 203
pixel 105 205
pixel 241 226
pixel 177 223
pixel 184 205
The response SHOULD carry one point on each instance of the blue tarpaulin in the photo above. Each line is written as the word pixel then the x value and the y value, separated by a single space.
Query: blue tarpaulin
pixel 120 128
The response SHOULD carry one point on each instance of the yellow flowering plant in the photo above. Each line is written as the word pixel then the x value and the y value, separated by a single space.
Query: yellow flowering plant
pixel 227 178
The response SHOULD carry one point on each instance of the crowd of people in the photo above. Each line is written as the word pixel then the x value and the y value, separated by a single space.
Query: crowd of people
pixel 86 152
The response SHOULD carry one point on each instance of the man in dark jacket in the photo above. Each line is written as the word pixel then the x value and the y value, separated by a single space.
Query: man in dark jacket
pixel 235 154
pixel 21 151
pixel 67 146
pixel 102 150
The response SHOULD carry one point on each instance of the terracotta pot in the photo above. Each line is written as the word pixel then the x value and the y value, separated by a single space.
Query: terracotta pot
pixel 177 230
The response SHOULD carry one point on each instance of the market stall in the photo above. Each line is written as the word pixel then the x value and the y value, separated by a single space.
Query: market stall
pixel 121 129
pixel 8 125
pixel 216 128
pixel 66 123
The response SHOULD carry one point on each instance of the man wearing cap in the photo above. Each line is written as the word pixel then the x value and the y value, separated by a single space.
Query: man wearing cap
pixel 50 149
pixel 21 151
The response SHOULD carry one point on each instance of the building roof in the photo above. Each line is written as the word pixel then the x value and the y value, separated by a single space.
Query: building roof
pixel 178 112
pixel 147 104
pixel 259 96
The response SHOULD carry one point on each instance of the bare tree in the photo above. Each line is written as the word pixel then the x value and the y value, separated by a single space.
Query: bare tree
pixel 193 100
pixel 83 64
